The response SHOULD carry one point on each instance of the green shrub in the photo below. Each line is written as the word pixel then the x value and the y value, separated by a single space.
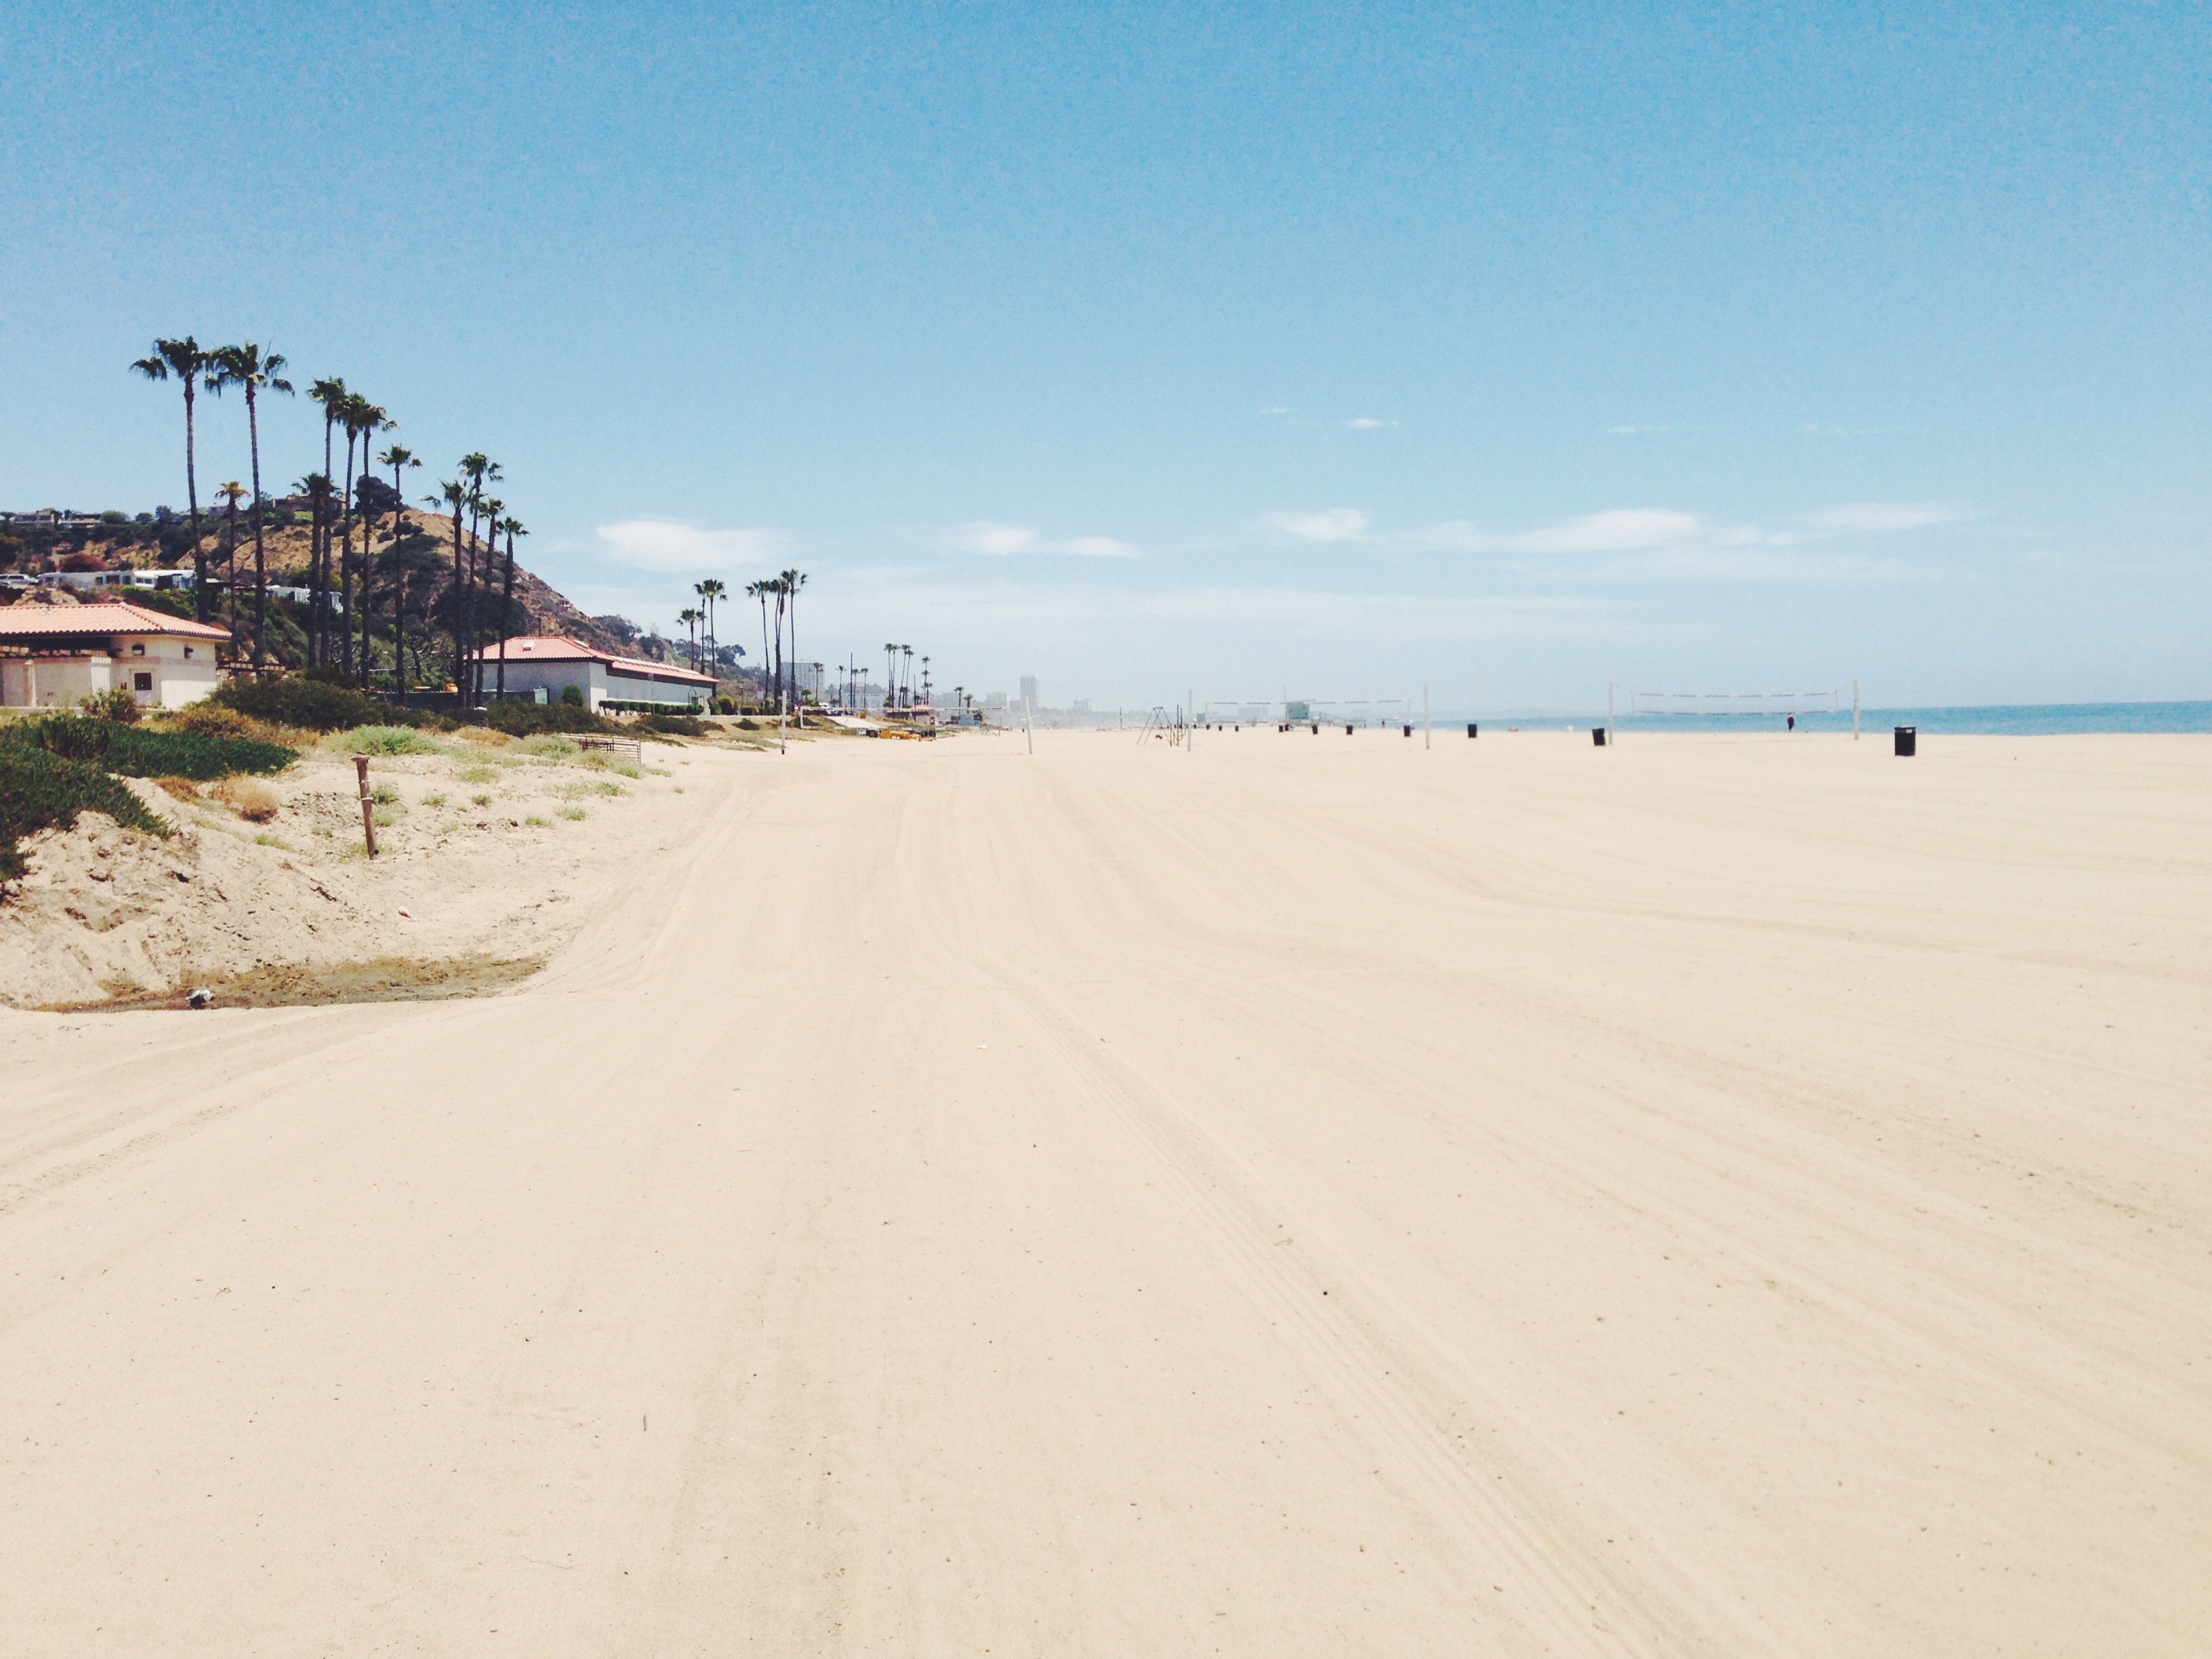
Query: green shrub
pixel 40 789
pixel 682 725
pixel 139 753
pixel 314 704
pixel 384 740
pixel 116 704
pixel 519 719
pixel 573 695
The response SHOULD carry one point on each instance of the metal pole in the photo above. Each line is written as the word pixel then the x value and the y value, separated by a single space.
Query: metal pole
pixel 1029 732
pixel 1190 723
pixel 1425 717
pixel 1855 711
pixel 368 809
pixel 783 743
pixel 1608 713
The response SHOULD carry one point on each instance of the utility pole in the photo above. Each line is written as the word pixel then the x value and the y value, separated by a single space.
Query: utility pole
pixel 1425 717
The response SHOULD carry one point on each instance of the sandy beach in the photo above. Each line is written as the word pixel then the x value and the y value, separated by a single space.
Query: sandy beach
pixel 1302 1195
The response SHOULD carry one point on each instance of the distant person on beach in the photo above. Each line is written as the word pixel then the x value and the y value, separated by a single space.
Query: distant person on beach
pixel 1792 720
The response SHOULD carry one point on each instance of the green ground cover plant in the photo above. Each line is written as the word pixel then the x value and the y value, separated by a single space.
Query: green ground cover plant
pixel 40 790
pixel 138 752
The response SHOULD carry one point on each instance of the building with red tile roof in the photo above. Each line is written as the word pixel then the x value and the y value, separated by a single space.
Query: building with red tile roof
pixel 542 666
pixel 51 655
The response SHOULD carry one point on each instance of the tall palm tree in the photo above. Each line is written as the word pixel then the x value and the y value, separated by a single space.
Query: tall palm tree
pixel 331 394
pixel 690 616
pixel 891 676
pixel 513 528
pixel 906 673
pixel 792 580
pixel 231 493
pixel 710 591
pixel 454 495
pixel 480 632
pixel 397 456
pixel 759 591
pixel 185 361
pixel 361 420
pixel 253 371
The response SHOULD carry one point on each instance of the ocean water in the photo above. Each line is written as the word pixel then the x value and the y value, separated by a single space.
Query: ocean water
pixel 2023 720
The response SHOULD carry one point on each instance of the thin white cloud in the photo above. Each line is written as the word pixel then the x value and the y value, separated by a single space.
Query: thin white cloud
pixel 1367 423
pixel 1888 515
pixel 1330 524
pixel 1638 431
pixel 1276 408
pixel 1003 540
pixel 1616 530
pixel 670 545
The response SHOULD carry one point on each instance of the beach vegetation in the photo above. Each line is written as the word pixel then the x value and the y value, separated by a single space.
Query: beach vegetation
pixel 384 740
pixel 138 752
pixel 476 774
pixel 314 704
pixel 535 822
pixel 116 704
pixel 574 814
pixel 250 797
pixel 434 800
pixel 40 790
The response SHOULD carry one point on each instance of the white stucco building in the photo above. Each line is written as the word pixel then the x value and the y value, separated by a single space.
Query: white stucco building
pixel 548 665
pixel 53 654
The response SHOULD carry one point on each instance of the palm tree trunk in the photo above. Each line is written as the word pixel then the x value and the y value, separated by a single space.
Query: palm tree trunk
pixel 367 545
pixel 193 500
pixel 460 667
pixel 319 556
pixel 505 612
pixel 763 661
pixel 261 559
pixel 345 565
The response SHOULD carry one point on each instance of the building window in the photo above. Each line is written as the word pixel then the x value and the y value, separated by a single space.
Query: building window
pixel 142 682
pixel 188 654
pixel 138 650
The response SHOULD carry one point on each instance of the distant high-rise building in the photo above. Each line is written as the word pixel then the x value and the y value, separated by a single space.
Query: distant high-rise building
pixel 1028 690
pixel 1081 706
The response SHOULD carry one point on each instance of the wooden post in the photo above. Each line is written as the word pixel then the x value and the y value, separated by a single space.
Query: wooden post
pixel 368 807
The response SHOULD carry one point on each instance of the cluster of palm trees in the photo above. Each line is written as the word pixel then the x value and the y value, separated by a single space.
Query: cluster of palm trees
pixel 476 562
pixel 342 590
pixel 253 371
pixel 783 589
pixel 898 677
pixel 699 620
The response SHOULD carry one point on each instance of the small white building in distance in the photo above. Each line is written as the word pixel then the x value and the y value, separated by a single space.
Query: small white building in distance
pixel 540 667
pixel 53 654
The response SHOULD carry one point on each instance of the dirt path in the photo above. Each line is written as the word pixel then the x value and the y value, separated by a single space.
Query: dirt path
pixel 1711 1197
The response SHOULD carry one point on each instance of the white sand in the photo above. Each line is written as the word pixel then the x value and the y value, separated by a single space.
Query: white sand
pixel 1304 1196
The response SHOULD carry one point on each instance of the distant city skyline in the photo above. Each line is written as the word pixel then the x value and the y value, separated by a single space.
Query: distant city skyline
pixel 1261 347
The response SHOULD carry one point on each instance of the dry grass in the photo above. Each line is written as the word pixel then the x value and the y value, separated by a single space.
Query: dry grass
pixel 251 798
pixel 182 788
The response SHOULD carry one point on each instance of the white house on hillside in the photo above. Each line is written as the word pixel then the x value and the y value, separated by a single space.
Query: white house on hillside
pixel 542 666
pixel 53 654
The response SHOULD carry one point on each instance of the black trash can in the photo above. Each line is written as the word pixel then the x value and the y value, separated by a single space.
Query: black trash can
pixel 1409 731
pixel 1908 739
pixel 1347 731
pixel 1470 728
pixel 1597 736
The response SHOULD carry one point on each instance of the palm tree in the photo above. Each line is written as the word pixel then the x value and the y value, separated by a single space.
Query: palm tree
pixel 397 456
pixel 253 371
pixel 689 616
pixel 363 419
pixel 493 508
pixel 231 493
pixel 906 673
pixel 185 361
pixel 331 394
pixel 452 494
pixel 793 582
pixel 759 590
pixel 710 591
pixel 891 676
pixel 513 528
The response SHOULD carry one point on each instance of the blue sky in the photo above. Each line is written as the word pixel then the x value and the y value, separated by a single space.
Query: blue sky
pixel 1327 349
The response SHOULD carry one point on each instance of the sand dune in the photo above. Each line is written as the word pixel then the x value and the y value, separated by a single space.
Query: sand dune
pixel 1307 1195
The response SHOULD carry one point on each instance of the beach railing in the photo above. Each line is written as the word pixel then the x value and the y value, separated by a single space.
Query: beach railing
pixel 629 746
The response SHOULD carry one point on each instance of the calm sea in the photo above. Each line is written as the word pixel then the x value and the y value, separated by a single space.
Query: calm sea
pixel 2027 720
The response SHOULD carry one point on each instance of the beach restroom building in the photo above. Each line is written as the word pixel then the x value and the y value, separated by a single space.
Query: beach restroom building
pixel 51 655
pixel 540 667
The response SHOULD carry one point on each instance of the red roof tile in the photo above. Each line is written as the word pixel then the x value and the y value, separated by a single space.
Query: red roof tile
pixel 25 620
pixel 555 647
